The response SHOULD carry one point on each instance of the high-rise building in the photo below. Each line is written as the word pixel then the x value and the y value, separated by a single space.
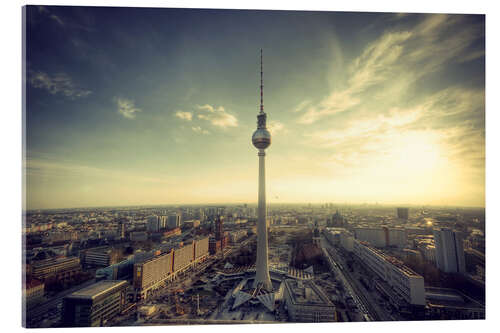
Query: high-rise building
pixel 174 221
pixel 261 139
pixel 403 213
pixel 153 224
pixel 94 305
pixel 450 256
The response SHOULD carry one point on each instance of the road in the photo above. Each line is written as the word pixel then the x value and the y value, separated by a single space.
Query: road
pixel 37 314
pixel 361 302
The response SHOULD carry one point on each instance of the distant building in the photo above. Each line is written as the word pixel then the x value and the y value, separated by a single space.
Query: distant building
pixel 337 220
pixel 306 302
pixel 153 224
pixel 174 221
pixel 102 256
pixel 449 251
pixel 61 268
pixel 192 224
pixel 121 230
pixel 403 213
pixel 95 304
pixel 138 236
pixel 382 236
pixel 404 281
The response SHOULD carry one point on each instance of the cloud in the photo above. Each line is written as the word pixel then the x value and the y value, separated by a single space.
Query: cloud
pixel 59 83
pixel 388 66
pixel 275 126
pixel 217 116
pixel 198 129
pixel 184 115
pixel 126 107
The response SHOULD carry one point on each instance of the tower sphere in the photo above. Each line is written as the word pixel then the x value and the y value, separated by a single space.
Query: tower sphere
pixel 261 138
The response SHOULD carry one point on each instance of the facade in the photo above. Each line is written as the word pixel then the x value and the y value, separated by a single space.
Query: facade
pixel 306 302
pixel 33 292
pixel 174 221
pixel 201 248
pixel 375 236
pixel 404 281
pixel 450 256
pixel 153 224
pixel 60 268
pixel 382 236
pixel 95 304
pixel 183 257
pixel 100 257
pixel 403 213
pixel 151 273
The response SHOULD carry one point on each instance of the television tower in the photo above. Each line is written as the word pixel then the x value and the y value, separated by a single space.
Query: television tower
pixel 261 139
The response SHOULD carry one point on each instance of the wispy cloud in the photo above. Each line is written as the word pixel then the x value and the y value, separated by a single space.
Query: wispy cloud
pixel 126 107
pixel 184 115
pixel 397 59
pixel 200 130
pixel 217 116
pixel 275 127
pixel 59 83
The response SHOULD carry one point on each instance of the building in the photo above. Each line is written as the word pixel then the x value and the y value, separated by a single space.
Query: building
pixel 382 236
pixel 236 236
pixel 150 274
pixel 373 235
pixel 337 220
pixel 444 303
pixel 261 139
pixel 60 268
pixel 403 213
pixel 138 236
pixel 449 251
pixel 306 302
pixel 153 224
pixel 192 224
pixel 404 281
pixel 153 273
pixel 94 305
pixel 33 292
pixel 121 230
pixel 102 256
pixel 172 233
pixel 174 221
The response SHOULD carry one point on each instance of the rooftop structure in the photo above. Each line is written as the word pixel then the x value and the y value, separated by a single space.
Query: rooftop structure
pixel 97 289
pixel 306 302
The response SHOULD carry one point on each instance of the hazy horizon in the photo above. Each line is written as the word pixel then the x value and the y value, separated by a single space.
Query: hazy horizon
pixel 142 106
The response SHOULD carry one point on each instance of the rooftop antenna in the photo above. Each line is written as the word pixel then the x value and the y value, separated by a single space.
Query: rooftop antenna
pixel 261 85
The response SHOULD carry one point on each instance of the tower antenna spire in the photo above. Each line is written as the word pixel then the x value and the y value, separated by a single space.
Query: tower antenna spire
pixel 261 85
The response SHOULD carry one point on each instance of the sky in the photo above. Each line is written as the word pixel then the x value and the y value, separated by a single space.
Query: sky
pixel 138 106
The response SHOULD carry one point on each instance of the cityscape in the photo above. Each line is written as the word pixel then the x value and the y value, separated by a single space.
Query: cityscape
pixel 251 214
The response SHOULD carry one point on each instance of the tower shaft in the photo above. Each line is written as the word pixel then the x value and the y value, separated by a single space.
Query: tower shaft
pixel 262 268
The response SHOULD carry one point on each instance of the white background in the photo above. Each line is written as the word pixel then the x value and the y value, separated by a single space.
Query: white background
pixel 11 158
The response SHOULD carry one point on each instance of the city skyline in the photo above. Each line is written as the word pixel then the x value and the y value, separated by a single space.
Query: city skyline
pixel 364 107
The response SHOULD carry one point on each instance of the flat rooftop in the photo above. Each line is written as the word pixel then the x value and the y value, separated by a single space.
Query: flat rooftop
pixel 97 289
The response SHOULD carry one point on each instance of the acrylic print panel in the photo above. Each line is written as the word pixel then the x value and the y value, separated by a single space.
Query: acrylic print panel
pixel 198 166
